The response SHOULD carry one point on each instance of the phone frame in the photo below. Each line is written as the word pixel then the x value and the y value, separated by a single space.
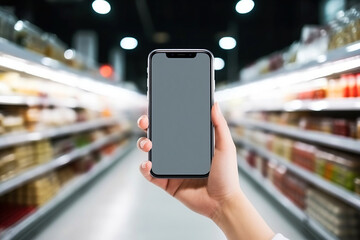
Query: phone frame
pixel 149 96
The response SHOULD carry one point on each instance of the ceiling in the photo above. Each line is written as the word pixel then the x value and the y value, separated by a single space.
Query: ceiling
pixel 271 26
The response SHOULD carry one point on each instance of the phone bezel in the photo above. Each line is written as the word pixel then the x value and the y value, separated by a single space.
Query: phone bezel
pixel 149 88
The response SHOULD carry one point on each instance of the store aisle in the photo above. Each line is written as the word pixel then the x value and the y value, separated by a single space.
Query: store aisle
pixel 123 205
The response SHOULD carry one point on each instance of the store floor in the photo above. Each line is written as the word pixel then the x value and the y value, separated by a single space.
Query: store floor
pixel 123 205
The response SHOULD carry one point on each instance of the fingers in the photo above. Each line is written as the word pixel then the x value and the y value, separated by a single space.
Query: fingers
pixel 143 122
pixel 144 144
pixel 145 168
pixel 223 139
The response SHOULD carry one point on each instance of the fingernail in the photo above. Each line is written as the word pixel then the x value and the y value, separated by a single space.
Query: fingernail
pixel 143 165
pixel 138 121
pixel 142 143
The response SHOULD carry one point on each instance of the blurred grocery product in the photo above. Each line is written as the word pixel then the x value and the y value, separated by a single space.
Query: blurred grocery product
pixel 315 42
pixel 304 155
pixel 34 39
pixel 345 28
pixel 295 189
pixel 340 219
pixel 335 166
pixel 30 37
pixel 346 127
pixel 8 165
pixel 338 167
pixel 35 193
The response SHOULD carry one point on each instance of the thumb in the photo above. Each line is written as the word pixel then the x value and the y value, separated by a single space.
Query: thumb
pixel 223 138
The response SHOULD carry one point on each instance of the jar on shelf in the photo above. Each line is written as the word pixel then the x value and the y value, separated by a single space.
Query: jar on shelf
pixel 326 125
pixel 341 127
pixel 353 27
pixel 336 35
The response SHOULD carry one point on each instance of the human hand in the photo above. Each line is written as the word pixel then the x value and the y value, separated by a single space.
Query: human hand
pixel 204 196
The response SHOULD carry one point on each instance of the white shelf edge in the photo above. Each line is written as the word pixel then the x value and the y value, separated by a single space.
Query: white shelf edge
pixel 42 101
pixel 16 58
pixel 285 202
pixel 327 104
pixel 324 139
pixel 37 171
pixel 337 55
pixel 11 49
pixel 337 191
pixel 66 192
pixel 11 139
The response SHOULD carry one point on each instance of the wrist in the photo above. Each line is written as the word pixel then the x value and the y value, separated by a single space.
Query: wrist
pixel 238 219
pixel 225 205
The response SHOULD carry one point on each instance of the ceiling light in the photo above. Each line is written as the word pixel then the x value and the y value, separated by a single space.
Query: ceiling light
pixel 244 6
pixel 69 54
pixel 227 43
pixel 219 63
pixel 19 25
pixel 128 43
pixel 101 6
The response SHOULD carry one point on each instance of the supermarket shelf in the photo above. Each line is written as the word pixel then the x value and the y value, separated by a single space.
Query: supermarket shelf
pixel 41 101
pixel 37 171
pixel 339 104
pixel 11 49
pixel 266 185
pixel 24 137
pixel 324 139
pixel 16 58
pixel 337 191
pixel 337 61
pixel 65 193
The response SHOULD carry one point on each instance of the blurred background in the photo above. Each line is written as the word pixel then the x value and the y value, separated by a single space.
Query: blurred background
pixel 270 27
pixel 73 82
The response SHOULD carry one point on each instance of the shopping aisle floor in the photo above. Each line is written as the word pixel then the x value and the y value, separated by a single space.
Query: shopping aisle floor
pixel 123 205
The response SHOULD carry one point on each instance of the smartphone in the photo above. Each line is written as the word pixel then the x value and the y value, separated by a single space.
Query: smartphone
pixel 180 93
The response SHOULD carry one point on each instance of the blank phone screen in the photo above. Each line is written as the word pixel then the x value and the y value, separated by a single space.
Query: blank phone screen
pixel 180 115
